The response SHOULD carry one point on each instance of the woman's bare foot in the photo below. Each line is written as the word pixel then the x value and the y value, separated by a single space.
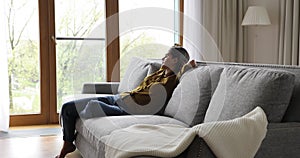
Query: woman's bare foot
pixel 67 148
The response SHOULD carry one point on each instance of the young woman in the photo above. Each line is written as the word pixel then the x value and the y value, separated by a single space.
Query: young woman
pixel 155 91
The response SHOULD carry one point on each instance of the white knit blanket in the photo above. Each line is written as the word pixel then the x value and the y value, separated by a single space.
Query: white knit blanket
pixel 237 138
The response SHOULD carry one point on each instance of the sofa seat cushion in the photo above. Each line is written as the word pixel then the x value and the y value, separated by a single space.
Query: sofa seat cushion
pixel 93 129
pixel 242 89
pixel 191 97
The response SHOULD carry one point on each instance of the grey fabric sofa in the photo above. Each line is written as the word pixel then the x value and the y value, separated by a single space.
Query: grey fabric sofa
pixel 283 135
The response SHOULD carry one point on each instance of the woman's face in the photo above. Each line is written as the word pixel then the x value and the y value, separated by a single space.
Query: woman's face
pixel 169 61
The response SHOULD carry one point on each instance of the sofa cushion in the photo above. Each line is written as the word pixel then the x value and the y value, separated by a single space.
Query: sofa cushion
pixel 93 129
pixel 242 89
pixel 191 97
pixel 136 71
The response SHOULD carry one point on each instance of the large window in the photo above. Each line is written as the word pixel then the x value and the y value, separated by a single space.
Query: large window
pixel 80 48
pixel 23 56
pixel 147 29
pixel 57 45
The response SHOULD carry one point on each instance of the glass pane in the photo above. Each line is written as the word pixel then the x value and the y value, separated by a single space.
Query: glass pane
pixel 80 49
pixel 177 21
pixel 150 38
pixel 78 18
pixel 23 56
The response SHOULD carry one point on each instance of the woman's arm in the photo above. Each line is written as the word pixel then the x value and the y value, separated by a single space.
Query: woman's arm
pixel 186 67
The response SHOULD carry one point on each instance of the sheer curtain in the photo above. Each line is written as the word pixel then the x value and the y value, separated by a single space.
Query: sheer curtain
pixel 192 33
pixel 213 29
pixel 196 38
pixel 289 51
pixel 4 90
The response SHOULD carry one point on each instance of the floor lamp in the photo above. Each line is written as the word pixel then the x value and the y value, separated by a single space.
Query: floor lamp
pixel 256 16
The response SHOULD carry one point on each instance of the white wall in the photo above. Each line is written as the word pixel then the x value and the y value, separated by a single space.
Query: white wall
pixel 263 40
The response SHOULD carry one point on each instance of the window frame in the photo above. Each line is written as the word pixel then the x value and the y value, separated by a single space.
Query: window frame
pixel 46 99
pixel 48 90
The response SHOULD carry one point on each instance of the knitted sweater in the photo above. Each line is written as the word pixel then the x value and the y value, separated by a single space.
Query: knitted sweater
pixel 153 93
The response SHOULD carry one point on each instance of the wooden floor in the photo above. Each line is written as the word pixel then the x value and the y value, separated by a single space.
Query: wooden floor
pixel 32 147
pixel 34 127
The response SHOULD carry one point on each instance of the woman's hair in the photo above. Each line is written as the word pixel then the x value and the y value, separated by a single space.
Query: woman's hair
pixel 181 54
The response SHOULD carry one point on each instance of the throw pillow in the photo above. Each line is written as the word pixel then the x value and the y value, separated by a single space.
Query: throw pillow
pixel 135 73
pixel 191 97
pixel 240 90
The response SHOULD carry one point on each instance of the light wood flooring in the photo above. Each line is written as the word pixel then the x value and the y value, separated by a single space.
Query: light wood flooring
pixel 33 147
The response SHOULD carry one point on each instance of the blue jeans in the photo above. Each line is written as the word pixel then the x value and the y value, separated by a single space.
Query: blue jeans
pixel 87 108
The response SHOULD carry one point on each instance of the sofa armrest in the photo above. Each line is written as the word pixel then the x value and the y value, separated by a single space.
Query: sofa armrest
pixel 100 88
pixel 282 140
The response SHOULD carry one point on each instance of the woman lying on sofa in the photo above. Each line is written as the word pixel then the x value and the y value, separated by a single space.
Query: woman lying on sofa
pixel 154 92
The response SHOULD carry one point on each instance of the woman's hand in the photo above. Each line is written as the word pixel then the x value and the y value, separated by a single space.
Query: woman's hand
pixel 193 63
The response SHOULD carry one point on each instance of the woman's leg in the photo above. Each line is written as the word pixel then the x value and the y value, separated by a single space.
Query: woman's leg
pixel 102 107
pixel 70 113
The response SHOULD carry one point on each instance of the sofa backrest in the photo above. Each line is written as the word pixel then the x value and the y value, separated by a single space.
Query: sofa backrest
pixel 293 112
pixel 191 97
pixel 136 71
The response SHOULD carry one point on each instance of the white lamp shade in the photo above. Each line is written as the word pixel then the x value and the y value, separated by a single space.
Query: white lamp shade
pixel 256 15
